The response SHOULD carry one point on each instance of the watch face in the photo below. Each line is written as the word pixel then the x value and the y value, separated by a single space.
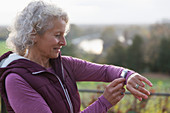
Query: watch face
pixel 124 73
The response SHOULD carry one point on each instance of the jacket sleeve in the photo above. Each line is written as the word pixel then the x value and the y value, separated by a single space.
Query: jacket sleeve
pixel 99 106
pixel 87 71
pixel 22 97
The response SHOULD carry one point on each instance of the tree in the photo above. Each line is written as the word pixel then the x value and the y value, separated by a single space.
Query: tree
pixel 116 55
pixel 158 32
pixel 151 53
pixel 163 61
pixel 3 32
pixel 109 37
pixel 74 32
pixel 134 55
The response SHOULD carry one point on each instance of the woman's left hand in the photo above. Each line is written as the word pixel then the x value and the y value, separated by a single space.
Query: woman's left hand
pixel 135 84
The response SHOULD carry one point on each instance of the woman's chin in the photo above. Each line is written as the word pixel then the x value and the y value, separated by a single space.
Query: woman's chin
pixel 56 56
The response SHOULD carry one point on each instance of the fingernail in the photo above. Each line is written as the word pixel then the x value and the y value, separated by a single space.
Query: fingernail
pixel 149 93
pixel 140 99
pixel 151 84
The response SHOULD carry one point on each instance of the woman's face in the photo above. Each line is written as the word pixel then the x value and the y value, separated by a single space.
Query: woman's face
pixel 49 44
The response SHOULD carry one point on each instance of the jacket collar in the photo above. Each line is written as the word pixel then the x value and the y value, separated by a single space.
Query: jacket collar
pixel 12 57
pixel 13 60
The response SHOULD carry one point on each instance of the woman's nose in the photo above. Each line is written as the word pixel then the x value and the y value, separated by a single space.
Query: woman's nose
pixel 63 41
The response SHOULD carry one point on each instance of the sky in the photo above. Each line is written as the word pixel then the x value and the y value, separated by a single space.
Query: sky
pixel 98 11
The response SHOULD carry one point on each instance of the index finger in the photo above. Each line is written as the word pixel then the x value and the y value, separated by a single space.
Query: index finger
pixel 117 81
pixel 146 81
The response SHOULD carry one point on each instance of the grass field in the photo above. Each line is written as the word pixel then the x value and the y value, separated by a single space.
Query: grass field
pixel 3 47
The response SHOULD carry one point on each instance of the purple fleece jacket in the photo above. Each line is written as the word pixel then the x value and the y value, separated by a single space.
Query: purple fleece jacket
pixel 25 95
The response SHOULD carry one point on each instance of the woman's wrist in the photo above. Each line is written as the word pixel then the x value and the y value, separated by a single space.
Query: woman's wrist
pixel 105 102
pixel 126 73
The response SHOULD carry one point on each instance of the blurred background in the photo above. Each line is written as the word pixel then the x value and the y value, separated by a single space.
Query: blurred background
pixel 131 33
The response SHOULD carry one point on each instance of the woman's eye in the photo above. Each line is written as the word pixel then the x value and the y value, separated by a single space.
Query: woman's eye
pixel 57 36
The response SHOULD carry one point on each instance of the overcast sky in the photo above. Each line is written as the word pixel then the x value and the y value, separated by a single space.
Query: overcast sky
pixel 98 11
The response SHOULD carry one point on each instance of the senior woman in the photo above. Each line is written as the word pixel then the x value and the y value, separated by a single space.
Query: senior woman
pixel 35 78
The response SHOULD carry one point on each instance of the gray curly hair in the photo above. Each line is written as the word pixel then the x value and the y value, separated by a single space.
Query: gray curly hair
pixel 36 18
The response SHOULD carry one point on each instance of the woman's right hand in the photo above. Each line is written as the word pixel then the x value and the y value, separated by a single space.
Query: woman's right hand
pixel 114 92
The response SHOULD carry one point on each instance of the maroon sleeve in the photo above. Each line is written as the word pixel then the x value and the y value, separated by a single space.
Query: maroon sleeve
pixel 87 71
pixel 99 106
pixel 22 97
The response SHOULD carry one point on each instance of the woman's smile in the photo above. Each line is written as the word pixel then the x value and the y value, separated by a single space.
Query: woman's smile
pixel 57 49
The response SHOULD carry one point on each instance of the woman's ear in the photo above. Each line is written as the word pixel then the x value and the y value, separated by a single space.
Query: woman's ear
pixel 35 38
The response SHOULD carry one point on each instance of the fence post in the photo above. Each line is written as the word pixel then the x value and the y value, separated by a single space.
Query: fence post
pixel 3 108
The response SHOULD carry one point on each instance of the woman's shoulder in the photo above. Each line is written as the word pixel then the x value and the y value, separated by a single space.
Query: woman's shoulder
pixel 22 97
pixel 15 80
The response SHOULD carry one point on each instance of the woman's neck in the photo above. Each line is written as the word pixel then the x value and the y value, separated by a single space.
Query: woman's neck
pixel 39 59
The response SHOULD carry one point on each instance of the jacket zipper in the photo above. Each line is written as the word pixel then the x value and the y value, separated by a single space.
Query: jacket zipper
pixel 63 87
pixel 66 91
pixel 66 94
